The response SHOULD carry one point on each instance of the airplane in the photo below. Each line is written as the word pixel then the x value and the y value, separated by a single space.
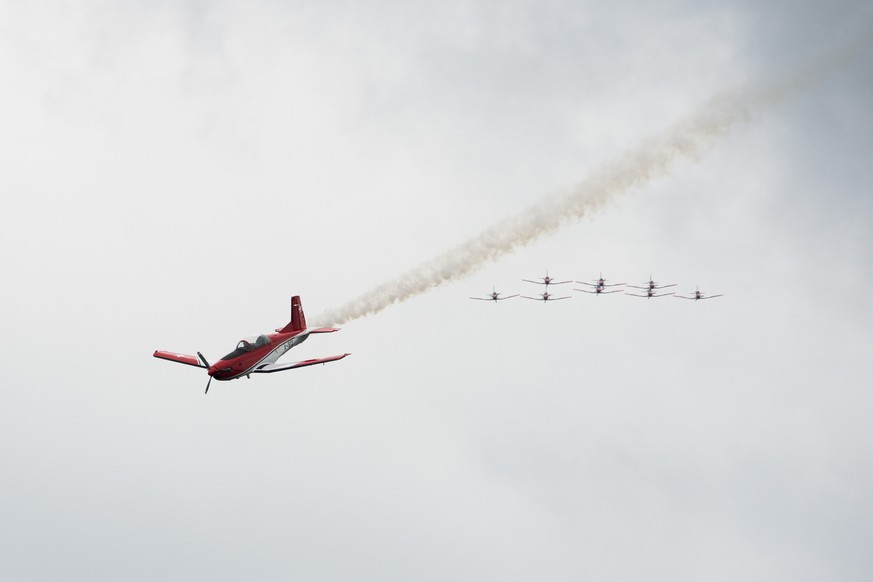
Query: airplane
pixel 650 293
pixel 545 297
pixel 698 294
pixel 258 354
pixel 652 285
pixel 493 296
pixel 546 281
pixel 601 283
pixel 597 290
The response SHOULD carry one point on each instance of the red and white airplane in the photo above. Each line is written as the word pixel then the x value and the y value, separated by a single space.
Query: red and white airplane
pixel 493 296
pixel 698 294
pixel 546 281
pixel 650 293
pixel 601 282
pixel 652 285
pixel 598 289
pixel 600 286
pixel 258 354
pixel 545 297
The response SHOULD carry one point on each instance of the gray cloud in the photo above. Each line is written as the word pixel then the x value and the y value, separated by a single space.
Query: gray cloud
pixel 174 173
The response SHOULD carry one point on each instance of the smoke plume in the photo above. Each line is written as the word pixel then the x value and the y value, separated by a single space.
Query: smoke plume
pixel 689 139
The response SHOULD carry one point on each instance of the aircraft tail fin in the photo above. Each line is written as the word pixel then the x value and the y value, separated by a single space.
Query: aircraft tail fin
pixel 298 320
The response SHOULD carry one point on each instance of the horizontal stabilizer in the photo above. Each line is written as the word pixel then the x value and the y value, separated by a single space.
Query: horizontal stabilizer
pixel 181 358
pixel 324 330
pixel 268 368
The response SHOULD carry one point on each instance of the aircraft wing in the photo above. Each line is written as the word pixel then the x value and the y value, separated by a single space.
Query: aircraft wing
pixel 683 297
pixel 637 287
pixel 636 295
pixel 616 291
pixel 482 298
pixel 586 283
pixel 664 294
pixel 712 296
pixel 557 298
pixel 663 286
pixel 586 290
pixel 534 298
pixel 181 358
pixel 268 368
pixel 507 297
pixel 559 282
pixel 529 281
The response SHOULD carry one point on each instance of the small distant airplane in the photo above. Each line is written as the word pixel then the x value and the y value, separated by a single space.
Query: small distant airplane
pixel 546 281
pixel 493 296
pixel 599 284
pixel 258 354
pixel 652 285
pixel 650 293
pixel 546 297
pixel 698 294
pixel 597 290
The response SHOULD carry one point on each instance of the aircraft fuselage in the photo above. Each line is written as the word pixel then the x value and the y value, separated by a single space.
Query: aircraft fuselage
pixel 240 363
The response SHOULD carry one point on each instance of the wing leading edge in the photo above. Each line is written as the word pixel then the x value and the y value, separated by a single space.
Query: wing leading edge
pixel 181 358
pixel 269 368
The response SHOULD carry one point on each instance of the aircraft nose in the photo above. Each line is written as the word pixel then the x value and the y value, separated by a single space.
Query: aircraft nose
pixel 215 371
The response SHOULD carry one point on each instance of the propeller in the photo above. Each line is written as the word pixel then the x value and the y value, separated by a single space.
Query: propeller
pixel 205 363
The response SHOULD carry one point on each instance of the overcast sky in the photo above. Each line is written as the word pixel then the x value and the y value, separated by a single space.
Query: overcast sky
pixel 173 172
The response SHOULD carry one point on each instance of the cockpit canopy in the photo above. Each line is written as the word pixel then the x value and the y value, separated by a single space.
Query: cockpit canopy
pixel 252 342
pixel 246 345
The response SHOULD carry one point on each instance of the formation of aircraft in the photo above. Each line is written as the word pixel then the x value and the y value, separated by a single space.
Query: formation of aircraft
pixel 259 354
pixel 650 289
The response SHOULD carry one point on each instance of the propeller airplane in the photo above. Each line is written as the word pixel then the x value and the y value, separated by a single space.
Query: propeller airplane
pixel 493 296
pixel 600 286
pixel 258 354
pixel 598 290
pixel 545 297
pixel 698 294
pixel 652 285
pixel 546 281
pixel 650 293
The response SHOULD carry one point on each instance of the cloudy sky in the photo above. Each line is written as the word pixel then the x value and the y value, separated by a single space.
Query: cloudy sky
pixel 172 172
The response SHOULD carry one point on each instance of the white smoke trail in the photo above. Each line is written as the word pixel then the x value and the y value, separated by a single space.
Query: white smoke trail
pixel 689 139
